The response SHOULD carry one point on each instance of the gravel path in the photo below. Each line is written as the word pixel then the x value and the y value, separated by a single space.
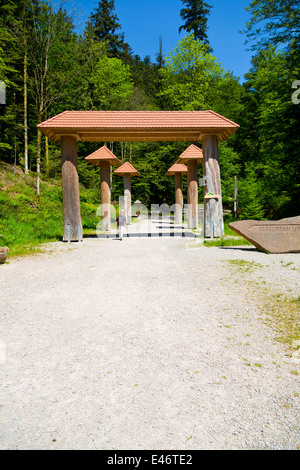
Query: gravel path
pixel 144 344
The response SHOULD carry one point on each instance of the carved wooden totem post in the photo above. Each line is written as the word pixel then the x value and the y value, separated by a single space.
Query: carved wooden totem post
pixel 213 209
pixel 72 227
pixel 127 171
pixel 104 158
pixel 178 169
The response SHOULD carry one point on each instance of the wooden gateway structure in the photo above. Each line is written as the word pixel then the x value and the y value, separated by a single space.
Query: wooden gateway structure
pixel 71 127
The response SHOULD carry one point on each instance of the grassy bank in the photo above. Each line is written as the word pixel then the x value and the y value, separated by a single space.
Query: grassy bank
pixel 25 223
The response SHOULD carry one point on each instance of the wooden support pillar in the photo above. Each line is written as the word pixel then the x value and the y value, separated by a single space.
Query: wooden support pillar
pixel 105 196
pixel 72 227
pixel 127 198
pixel 192 194
pixel 178 198
pixel 213 209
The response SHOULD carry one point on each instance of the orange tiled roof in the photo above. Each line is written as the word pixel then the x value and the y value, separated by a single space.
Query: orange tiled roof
pixel 191 153
pixel 127 169
pixel 103 155
pixel 132 126
pixel 177 168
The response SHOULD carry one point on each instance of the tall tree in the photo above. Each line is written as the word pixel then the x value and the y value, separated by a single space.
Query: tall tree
pixel 104 25
pixel 55 63
pixel 195 17
pixel 268 141
pixel 192 79
pixel 11 47
pixel 17 20
pixel 160 55
pixel 271 138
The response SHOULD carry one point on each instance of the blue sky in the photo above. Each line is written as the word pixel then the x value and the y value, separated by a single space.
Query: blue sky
pixel 144 21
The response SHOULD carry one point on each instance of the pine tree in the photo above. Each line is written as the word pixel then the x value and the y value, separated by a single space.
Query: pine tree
pixel 105 25
pixel 195 16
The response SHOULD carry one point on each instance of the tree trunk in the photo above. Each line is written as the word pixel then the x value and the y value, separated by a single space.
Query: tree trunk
pixel 178 198
pixel 25 110
pixel 236 203
pixel 16 155
pixel 127 198
pixel 47 155
pixel 192 194
pixel 38 164
pixel 213 209
pixel 105 196
pixel 72 227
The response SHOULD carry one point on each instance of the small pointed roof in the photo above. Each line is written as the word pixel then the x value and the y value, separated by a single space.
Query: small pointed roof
pixel 127 169
pixel 191 153
pixel 103 155
pixel 177 168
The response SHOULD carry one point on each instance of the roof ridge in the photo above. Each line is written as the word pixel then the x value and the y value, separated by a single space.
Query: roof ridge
pixel 53 117
pixel 103 148
pixel 177 165
pixel 128 163
pixel 224 118
pixel 192 146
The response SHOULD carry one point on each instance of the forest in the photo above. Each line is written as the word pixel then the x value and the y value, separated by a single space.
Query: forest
pixel 48 68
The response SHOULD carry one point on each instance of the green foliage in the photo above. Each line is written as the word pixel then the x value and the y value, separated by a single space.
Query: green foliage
pixel 273 22
pixel 230 167
pixel 269 140
pixel 239 241
pixel 153 160
pixel 112 83
pixel 193 79
pixel 23 224
pixel 2 65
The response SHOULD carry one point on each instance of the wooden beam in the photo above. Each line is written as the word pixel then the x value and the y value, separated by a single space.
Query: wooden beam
pixel 126 135
pixel 113 138
pixel 72 227
pixel 213 208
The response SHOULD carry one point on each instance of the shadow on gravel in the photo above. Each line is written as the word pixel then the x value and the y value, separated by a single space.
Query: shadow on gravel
pixel 239 248
pixel 145 235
